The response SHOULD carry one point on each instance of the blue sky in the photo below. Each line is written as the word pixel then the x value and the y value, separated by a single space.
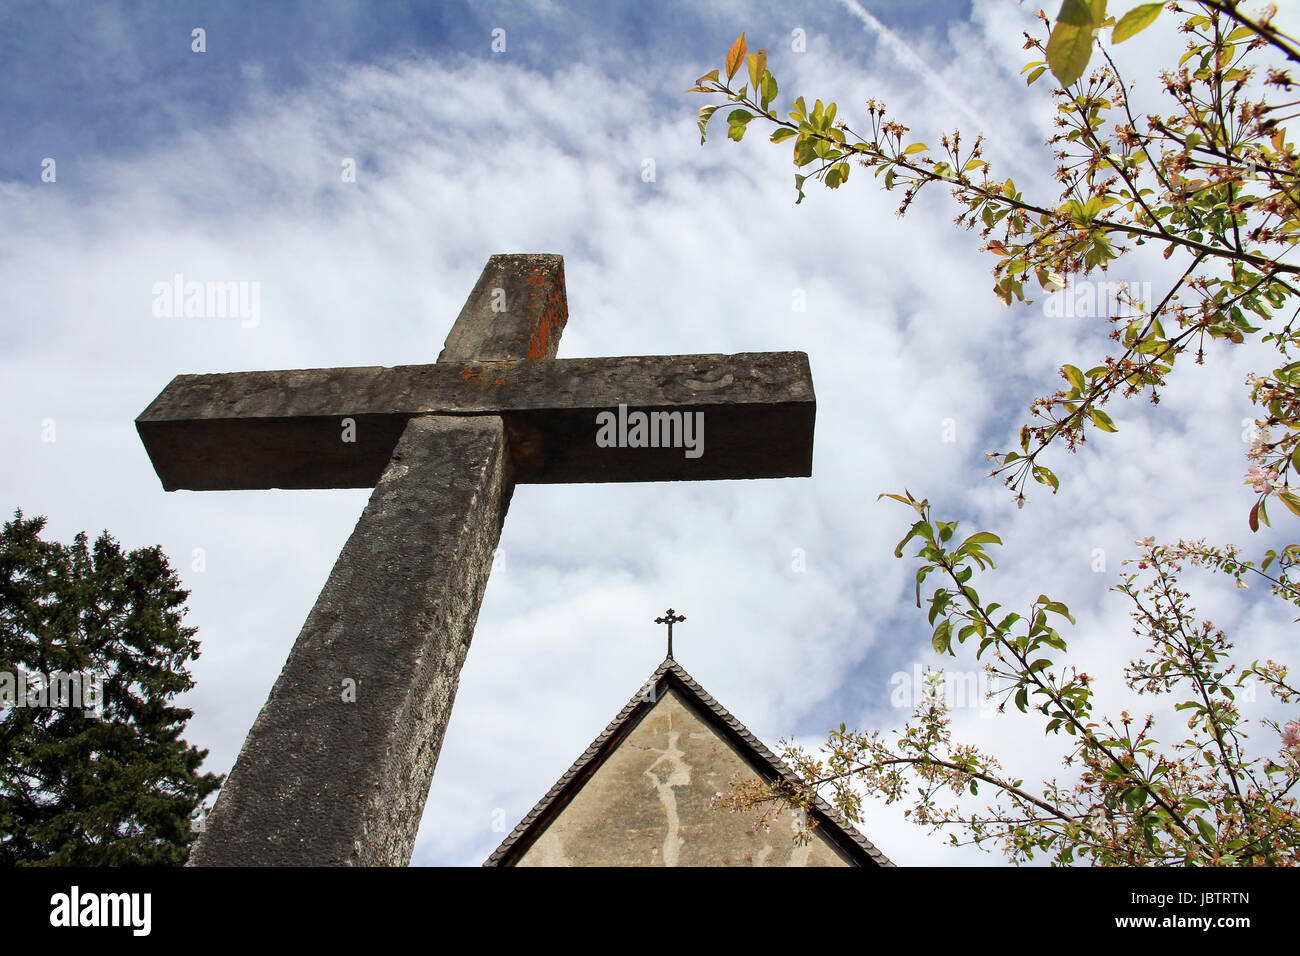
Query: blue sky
pixel 114 79
pixel 225 165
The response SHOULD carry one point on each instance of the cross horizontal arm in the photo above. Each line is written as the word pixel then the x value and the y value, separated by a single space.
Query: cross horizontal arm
pixel 288 429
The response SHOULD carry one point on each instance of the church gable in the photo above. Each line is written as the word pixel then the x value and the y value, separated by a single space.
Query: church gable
pixel 640 795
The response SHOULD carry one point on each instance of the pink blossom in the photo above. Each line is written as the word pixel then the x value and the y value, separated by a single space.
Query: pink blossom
pixel 1261 479
pixel 1291 735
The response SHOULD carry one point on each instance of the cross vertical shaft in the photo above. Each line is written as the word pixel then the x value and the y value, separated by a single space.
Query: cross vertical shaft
pixel 338 766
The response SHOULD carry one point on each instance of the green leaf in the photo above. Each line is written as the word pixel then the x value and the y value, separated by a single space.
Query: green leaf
pixel 1202 824
pixel 1135 21
pixel 1081 13
pixel 1070 46
pixel 942 640
pixel 783 133
pixel 1101 420
pixel 920 577
pixel 915 148
pixel 833 176
pixel 1074 377
pixel 706 114
pixel 980 537
pixel 1029 80
pixel 1056 607
pixel 1053 639
pixel 736 121
pixel 898 551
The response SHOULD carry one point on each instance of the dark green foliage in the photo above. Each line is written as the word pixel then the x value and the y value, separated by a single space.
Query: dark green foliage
pixel 78 789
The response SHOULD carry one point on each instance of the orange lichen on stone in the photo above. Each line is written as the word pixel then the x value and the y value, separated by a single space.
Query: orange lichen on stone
pixel 550 313
pixel 470 373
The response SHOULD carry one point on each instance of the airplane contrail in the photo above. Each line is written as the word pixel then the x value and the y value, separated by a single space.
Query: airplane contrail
pixel 905 55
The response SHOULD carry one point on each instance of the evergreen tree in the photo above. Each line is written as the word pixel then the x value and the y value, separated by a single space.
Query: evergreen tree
pixel 80 788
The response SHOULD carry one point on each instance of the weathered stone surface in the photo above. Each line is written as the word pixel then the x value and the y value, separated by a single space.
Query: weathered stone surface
pixel 321 781
pixel 517 311
pixel 640 794
pixel 284 429
pixel 647 804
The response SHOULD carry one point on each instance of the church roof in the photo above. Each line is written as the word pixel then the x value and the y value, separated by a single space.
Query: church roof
pixel 671 676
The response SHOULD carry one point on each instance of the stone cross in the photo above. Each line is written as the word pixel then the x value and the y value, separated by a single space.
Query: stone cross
pixel 338 765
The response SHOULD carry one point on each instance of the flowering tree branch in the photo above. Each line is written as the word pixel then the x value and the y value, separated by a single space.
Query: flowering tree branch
pixel 1215 179
pixel 1215 182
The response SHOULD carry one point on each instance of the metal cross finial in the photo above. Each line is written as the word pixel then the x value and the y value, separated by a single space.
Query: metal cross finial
pixel 670 618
